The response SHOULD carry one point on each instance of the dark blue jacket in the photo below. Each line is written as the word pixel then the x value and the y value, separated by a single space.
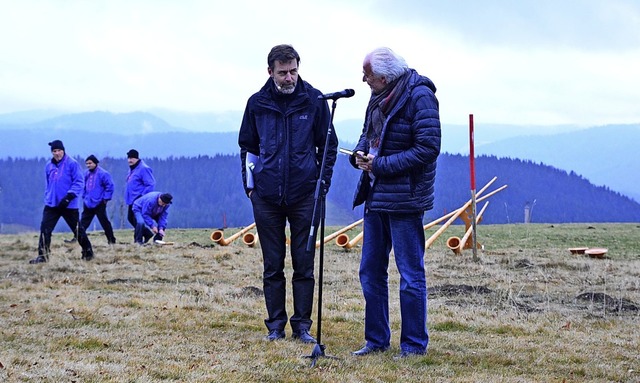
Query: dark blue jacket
pixel 405 167
pixel 290 144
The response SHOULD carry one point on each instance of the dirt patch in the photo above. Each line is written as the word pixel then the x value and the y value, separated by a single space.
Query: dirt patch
pixel 608 303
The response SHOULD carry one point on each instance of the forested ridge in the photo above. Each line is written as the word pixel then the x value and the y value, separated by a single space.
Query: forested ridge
pixel 208 192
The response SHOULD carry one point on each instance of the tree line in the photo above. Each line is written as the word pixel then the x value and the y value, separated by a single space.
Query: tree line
pixel 208 192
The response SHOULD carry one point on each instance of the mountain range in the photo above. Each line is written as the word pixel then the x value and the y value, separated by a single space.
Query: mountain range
pixel 604 155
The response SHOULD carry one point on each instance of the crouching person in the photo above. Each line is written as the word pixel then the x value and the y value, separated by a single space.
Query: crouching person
pixel 151 212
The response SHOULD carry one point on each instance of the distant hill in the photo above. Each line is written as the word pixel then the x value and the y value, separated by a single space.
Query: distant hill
pixel 33 143
pixel 99 122
pixel 223 122
pixel 604 155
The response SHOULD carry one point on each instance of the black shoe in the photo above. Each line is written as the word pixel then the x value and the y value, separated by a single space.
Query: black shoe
pixel 111 241
pixel 87 255
pixel 303 336
pixel 72 240
pixel 407 354
pixel 38 259
pixel 275 335
pixel 366 350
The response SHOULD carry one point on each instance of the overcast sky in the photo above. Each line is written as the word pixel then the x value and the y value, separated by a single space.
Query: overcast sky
pixel 524 62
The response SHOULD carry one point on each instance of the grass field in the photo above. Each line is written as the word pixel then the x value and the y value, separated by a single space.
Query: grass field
pixel 527 311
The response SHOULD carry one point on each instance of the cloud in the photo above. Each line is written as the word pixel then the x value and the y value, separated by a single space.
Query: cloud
pixel 536 62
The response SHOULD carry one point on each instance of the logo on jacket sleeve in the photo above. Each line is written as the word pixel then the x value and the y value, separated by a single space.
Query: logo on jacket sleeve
pixel 303 117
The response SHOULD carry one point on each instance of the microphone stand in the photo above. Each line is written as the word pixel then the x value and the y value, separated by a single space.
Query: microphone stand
pixel 319 206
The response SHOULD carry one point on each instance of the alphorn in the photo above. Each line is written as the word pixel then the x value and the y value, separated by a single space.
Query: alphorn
pixel 217 236
pixel 250 239
pixel 344 242
pixel 456 214
pixel 339 232
pixel 438 220
pixel 455 243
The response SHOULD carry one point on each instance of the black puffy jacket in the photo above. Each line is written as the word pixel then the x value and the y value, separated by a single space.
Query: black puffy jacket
pixel 405 167
pixel 290 144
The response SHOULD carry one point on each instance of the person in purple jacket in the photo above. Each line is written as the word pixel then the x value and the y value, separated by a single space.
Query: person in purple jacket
pixel 64 182
pixel 151 212
pixel 98 191
pixel 140 181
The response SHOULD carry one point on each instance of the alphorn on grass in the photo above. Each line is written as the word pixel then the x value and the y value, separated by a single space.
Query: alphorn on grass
pixel 456 244
pixel 340 232
pixel 250 239
pixel 217 236
pixel 344 242
pixel 438 220
pixel 456 214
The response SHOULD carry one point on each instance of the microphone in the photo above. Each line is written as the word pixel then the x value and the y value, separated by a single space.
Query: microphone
pixel 337 95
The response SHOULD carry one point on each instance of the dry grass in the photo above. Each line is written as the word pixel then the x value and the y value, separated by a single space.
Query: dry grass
pixel 193 312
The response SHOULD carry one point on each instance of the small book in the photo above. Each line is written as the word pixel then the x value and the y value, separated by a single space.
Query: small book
pixel 250 163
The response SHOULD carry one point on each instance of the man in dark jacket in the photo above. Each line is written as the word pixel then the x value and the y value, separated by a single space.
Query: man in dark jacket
pixel 397 152
pixel 282 137
pixel 64 184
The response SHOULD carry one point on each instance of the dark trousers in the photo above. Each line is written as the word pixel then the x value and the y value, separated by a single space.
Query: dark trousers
pixel 101 212
pixel 271 222
pixel 50 217
pixel 142 233
pixel 131 217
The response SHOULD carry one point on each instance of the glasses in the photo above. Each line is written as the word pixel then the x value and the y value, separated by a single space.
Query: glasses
pixel 366 77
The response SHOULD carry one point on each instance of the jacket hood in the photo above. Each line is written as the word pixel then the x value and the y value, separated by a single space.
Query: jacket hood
pixel 418 79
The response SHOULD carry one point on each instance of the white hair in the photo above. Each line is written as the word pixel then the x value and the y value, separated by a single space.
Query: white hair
pixel 386 63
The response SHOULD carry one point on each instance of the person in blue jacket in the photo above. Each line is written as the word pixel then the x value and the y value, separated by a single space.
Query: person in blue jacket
pixel 151 212
pixel 64 183
pixel 284 130
pixel 397 152
pixel 140 181
pixel 98 191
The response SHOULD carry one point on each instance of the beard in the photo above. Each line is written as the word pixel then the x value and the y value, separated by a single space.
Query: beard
pixel 285 89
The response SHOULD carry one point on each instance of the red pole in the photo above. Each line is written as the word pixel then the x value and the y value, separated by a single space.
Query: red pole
pixel 472 170
pixel 472 154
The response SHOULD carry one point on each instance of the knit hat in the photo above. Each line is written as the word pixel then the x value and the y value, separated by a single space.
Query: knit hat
pixel 166 198
pixel 56 144
pixel 133 154
pixel 93 159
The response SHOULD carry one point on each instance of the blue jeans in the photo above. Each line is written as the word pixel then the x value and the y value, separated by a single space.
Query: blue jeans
pixel 403 233
pixel 271 222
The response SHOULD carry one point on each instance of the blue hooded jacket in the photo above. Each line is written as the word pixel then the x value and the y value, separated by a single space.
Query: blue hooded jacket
pixel 405 167
pixel 64 177
pixel 290 144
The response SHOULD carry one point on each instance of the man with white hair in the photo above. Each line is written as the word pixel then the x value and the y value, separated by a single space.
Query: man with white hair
pixel 397 154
